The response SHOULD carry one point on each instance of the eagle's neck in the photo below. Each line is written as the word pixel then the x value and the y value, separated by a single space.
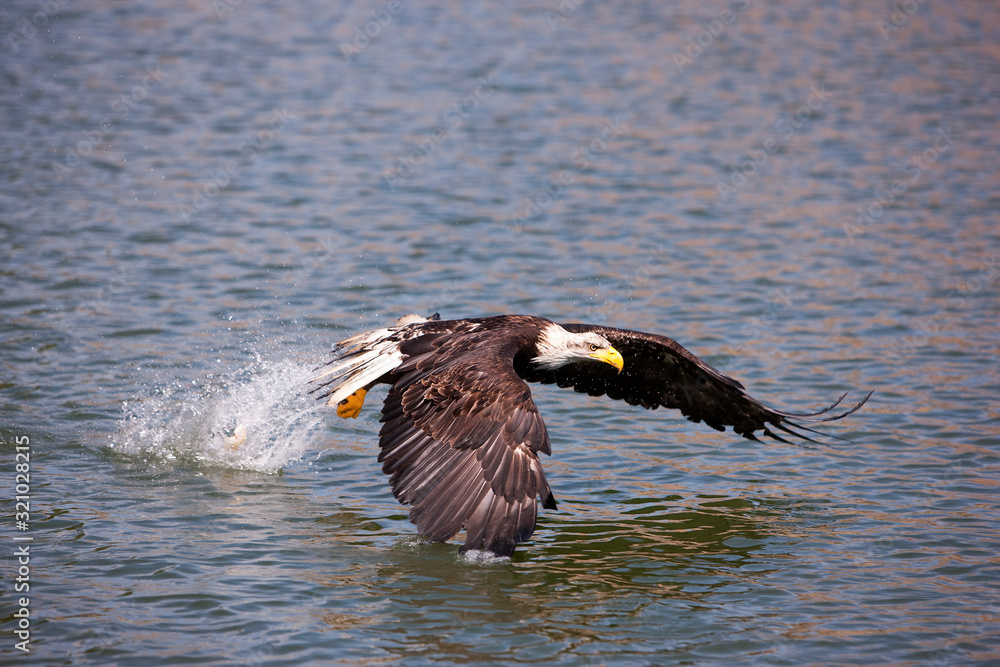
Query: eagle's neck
pixel 553 347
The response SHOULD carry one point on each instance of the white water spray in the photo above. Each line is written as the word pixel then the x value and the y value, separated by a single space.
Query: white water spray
pixel 260 418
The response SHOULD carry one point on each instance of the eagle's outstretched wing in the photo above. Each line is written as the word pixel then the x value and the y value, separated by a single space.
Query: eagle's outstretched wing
pixel 659 372
pixel 460 441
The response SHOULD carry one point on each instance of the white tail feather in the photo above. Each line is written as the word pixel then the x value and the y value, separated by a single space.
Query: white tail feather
pixel 369 367
pixel 364 359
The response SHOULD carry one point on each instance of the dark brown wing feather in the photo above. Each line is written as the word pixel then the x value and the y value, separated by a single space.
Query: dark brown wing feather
pixel 659 372
pixel 460 440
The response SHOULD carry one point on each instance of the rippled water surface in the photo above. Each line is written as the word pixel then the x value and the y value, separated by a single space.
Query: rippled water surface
pixel 198 200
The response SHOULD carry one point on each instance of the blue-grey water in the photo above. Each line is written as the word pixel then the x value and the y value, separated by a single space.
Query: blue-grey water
pixel 198 199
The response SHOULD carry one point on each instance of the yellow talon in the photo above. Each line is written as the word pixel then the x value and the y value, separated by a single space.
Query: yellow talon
pixel 350 407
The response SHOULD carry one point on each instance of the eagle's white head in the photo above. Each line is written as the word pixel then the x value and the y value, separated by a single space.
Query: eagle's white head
pixel 558 347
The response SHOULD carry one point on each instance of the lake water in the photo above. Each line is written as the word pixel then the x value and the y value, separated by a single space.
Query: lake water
pixel 198 200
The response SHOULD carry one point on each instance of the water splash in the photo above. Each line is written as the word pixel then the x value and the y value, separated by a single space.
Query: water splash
pixel 477 557
pixel 258 418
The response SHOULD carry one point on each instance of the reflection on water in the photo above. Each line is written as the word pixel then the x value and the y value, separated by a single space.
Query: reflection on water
pixel 442 609
pixel 195 205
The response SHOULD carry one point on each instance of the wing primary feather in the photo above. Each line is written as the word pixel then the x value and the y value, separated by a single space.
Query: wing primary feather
pixel 476 525
pixel 808 415
pixel 771 434
pixel 787 428
pixel 440 516
pixel 811 416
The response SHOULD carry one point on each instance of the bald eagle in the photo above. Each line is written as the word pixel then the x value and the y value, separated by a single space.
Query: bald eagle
pixel 461 435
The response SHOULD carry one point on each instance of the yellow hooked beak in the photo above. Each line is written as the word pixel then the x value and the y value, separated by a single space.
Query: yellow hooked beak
pixel 610 356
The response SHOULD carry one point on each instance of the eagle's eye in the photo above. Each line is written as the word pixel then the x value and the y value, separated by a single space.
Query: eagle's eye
pixel 594 347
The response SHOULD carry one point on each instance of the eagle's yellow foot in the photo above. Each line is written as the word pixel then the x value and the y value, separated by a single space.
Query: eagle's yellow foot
pixel 350 407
